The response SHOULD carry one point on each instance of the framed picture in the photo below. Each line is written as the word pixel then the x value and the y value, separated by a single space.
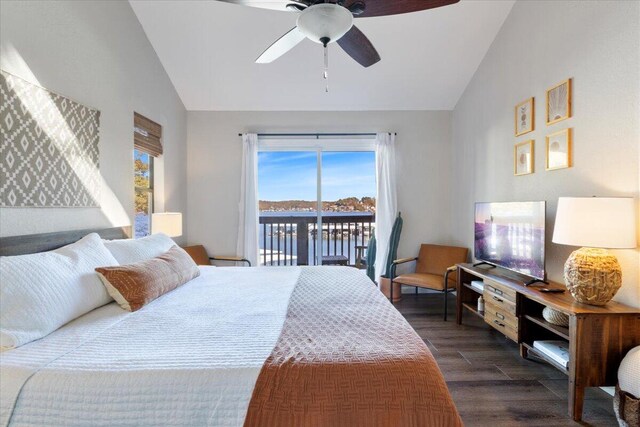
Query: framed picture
pixel 559 150
pixel 559 102
pixel 523 158
pixel 524 117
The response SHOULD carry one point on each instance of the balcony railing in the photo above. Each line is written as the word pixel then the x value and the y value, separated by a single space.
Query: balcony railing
pixel 291 239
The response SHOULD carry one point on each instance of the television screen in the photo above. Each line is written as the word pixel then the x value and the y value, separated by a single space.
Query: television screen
pixel 511 235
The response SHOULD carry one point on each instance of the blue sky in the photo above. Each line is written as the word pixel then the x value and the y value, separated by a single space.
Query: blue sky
pixel 292 175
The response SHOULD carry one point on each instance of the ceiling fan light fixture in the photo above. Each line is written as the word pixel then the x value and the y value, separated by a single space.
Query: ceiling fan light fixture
pixel 325 21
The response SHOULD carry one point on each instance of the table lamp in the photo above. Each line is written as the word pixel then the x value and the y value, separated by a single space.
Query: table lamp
pixel 169 223
pixel 592 274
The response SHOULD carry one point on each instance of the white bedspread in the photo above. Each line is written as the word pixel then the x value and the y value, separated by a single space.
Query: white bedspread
pixel 205 343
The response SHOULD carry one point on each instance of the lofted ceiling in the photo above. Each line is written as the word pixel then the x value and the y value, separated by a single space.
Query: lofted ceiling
pixel 208 49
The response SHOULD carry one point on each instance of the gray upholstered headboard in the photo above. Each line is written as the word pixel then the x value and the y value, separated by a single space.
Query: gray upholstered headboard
pixel 32 243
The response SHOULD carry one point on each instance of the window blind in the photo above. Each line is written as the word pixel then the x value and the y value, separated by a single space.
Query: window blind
pixel 147 135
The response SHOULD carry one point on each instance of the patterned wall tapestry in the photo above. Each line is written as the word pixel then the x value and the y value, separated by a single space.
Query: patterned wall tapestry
pixel 48 148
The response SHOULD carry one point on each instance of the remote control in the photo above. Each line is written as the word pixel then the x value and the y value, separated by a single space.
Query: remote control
pixel 552 291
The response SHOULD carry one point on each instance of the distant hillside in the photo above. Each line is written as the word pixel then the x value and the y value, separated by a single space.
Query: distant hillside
pixel 350 204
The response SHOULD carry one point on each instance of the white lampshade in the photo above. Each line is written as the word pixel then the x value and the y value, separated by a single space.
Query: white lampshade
pixel 169 223
pixel 596 222
pixel 325 20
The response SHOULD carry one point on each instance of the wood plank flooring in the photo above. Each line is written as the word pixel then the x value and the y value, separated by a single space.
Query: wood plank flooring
pixel 489 381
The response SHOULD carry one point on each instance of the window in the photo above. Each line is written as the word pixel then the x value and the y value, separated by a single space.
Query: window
pixel 146 146
pixel 143 178
pixel 316 200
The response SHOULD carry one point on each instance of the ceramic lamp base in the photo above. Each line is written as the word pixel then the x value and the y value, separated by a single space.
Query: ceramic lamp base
pixel 593 276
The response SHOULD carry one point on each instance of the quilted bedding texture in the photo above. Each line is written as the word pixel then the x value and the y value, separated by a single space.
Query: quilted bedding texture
pixel 235 346
pixel 189 358
pixel 347 358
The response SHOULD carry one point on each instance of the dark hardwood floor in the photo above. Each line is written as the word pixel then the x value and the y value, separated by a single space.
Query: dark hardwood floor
pixel 489 381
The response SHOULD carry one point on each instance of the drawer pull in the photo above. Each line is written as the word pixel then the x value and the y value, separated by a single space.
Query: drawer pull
pixel 498 299
pixel 497 291
pixel 500 316
pixel 499 323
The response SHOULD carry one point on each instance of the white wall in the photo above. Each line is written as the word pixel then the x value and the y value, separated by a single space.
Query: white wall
pixel 541 43
pixel 215 153
pixel 96 53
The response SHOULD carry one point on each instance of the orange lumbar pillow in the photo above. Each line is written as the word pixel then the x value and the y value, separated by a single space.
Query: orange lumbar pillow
pixel 135 285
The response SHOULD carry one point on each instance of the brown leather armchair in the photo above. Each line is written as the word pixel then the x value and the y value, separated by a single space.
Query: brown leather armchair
pixel 201 257
pixel 435 269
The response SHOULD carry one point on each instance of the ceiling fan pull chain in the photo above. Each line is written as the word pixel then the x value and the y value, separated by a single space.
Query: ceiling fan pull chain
pixel 326 67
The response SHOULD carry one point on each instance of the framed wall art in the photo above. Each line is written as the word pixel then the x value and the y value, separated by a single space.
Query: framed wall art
pixel 524 117
pixel 523 158
pixel 559 150
pixel 559 102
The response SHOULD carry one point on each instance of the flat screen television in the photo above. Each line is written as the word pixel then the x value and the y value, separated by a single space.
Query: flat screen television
pixel 511 235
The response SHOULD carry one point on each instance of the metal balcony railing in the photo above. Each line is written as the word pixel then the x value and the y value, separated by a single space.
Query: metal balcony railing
pixel 291 239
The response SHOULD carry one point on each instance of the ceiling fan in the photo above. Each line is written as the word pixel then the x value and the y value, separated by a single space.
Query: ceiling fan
pixel 325 22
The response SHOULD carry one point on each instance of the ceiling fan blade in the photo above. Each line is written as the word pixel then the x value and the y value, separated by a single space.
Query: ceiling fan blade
pixel 269 4
pixel 358 46
pixel 386 7
pixel 281 46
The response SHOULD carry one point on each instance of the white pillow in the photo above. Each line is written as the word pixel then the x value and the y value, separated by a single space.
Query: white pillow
pixel 43 291
pixel 129 251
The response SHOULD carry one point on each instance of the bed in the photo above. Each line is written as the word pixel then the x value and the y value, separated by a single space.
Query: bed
pixel 274 346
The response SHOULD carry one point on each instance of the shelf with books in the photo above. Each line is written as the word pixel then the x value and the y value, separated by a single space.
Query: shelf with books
pixel 474 289
pixel 531 351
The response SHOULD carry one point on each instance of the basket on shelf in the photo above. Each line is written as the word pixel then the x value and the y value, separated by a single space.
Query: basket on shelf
pixel 555 317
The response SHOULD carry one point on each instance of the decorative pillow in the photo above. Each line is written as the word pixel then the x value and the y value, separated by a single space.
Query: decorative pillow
pixel 135 285
pixel 129 251
pixel 43 291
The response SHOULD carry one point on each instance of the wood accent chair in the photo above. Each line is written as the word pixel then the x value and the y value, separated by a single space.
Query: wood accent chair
pixel 435 269
pixel 201 257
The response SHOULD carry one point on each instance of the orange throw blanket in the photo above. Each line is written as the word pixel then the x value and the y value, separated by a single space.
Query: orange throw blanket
pixel 346 357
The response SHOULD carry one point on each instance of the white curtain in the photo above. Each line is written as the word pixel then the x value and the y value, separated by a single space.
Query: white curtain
pixel 386 202
pixel 248 244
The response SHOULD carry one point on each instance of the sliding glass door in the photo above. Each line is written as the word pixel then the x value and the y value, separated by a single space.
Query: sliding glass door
pixel 317 201
pixel 348 199
pixel 289 208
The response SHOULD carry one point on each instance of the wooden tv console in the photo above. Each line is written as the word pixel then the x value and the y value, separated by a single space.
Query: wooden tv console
pixel 598 337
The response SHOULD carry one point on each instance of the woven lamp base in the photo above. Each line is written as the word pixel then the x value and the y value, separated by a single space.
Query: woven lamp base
pixel 593 276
